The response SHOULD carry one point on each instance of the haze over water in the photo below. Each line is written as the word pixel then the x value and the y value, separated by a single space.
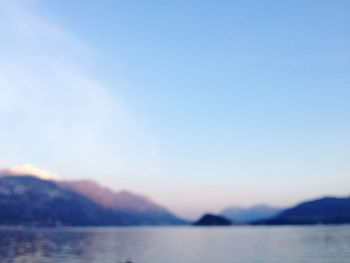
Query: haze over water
pixel 316 244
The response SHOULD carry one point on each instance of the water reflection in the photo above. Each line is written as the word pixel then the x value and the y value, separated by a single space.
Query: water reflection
pixel 176 245
pixel 61 245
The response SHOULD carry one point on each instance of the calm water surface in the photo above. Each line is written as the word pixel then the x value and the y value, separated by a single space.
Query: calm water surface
pixel 316 244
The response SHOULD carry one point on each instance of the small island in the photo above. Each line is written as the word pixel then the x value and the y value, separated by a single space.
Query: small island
pixel 212 220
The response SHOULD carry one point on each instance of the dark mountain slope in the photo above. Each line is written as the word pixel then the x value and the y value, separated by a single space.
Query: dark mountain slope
pixel 137 208
pixel 26 200
pixel 328 210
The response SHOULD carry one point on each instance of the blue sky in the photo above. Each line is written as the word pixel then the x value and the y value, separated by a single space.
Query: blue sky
pixel 197 104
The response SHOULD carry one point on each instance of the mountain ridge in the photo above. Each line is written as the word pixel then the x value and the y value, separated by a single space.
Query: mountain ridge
pixel 46 200
pixel 253 213
pixel 325 210
pixel 123 202
pixel 29 200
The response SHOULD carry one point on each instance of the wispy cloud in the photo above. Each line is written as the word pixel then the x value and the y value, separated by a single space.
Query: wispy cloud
pixel 53 112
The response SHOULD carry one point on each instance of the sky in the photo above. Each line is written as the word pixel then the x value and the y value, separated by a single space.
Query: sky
pixel 197 104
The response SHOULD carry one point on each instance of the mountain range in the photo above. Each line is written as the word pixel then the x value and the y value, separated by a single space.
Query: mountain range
pixel 140 209
pixel 327 210
pixel 28 200
pixel 250 214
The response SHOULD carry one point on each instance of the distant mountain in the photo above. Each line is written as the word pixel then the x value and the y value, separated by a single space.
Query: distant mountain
pixel 212 220
pixel 26 200
pixel 328 210
pixel 138 208
pixel 250 214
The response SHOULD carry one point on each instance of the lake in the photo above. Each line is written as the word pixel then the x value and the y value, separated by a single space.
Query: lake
pixel 243 244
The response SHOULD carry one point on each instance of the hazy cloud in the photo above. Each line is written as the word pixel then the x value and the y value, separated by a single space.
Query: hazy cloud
pixel 54 113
